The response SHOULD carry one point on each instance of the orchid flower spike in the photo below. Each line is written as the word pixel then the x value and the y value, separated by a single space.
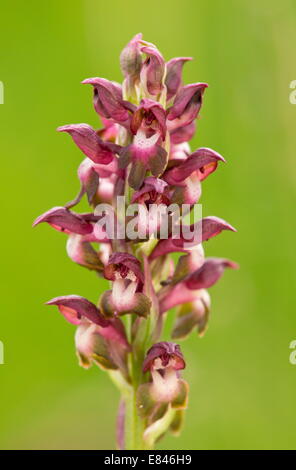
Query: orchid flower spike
pixel 141 180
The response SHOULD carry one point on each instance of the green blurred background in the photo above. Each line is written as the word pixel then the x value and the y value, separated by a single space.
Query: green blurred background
pixel 242 383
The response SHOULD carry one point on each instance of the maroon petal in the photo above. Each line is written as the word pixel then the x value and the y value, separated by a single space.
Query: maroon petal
pixel 86 138
pixel 209 273
pixel 212 226
pixel 153 70
pixel 203 161
pixel 65 221
pixel 74 307
pixel 187 104
pixel 108 100
pixel 173 78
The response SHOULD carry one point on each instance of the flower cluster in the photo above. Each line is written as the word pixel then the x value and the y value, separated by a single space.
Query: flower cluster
pixel 142 154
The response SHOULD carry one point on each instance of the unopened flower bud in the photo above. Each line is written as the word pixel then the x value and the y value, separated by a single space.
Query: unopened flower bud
pixel 131 57
pixel 153 71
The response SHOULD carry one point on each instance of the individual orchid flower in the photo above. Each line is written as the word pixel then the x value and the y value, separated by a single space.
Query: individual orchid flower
pixel 140 179
pixel 186 174
pixel 203 278
pixel 96 336
pixel 148 126
pixel 127 278
pixel 186 105
pixel 167 394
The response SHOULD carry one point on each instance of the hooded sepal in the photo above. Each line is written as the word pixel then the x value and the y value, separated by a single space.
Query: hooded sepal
pixel 75 307
pixel 209 273
pixel 87 139
pixel 108 100
pixel 197 233
pixel 202 162
pixel 187 104
pixel 66 221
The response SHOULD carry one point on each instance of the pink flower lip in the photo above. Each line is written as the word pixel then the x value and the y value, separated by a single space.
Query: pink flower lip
pixel 74 307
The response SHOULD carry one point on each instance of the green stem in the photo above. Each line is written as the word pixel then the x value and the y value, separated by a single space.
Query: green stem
pixel 134 425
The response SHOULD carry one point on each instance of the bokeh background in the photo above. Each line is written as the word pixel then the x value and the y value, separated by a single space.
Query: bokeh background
pixel 242 383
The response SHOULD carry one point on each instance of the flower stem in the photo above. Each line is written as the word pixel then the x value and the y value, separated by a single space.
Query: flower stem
pixel 134 425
